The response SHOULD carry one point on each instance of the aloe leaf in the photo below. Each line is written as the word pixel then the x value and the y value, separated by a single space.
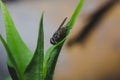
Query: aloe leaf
pixel 53 52
pixel 35 68
pixel 19 50
pixel 50 62
pixel 11 61
pixel 75 14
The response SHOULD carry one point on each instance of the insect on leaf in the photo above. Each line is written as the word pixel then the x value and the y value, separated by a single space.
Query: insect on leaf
pixel 53 52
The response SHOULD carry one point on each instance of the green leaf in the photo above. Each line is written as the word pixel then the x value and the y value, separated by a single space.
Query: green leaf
pixel 35 68
pixel 75 14
pixel 19 50
pixel 50 61
pixel 11 60
pixel 8 78
pixel 52 54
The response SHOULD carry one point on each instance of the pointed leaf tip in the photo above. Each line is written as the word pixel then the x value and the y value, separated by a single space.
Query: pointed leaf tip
pixel 53 52
pixel 35 69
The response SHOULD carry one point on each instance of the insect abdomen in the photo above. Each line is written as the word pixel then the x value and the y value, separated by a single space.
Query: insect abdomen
pixel 58 36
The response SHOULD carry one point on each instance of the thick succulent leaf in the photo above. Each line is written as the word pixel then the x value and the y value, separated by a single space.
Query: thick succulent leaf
pixel 19 50
pixel 50 62
pixel 35 68
pixel 53 52
pixel 13 73
pixel 75 14
pixel 13 66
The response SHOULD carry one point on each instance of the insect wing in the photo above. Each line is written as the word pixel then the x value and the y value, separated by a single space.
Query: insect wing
pixel 62 24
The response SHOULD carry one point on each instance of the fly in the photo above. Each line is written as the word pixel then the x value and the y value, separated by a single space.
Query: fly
pixel 59 34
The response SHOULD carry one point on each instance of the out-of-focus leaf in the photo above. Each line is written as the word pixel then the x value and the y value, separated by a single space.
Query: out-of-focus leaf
pixel 53 52
pixel 35 68
pixel 8 78
pixel 21 54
